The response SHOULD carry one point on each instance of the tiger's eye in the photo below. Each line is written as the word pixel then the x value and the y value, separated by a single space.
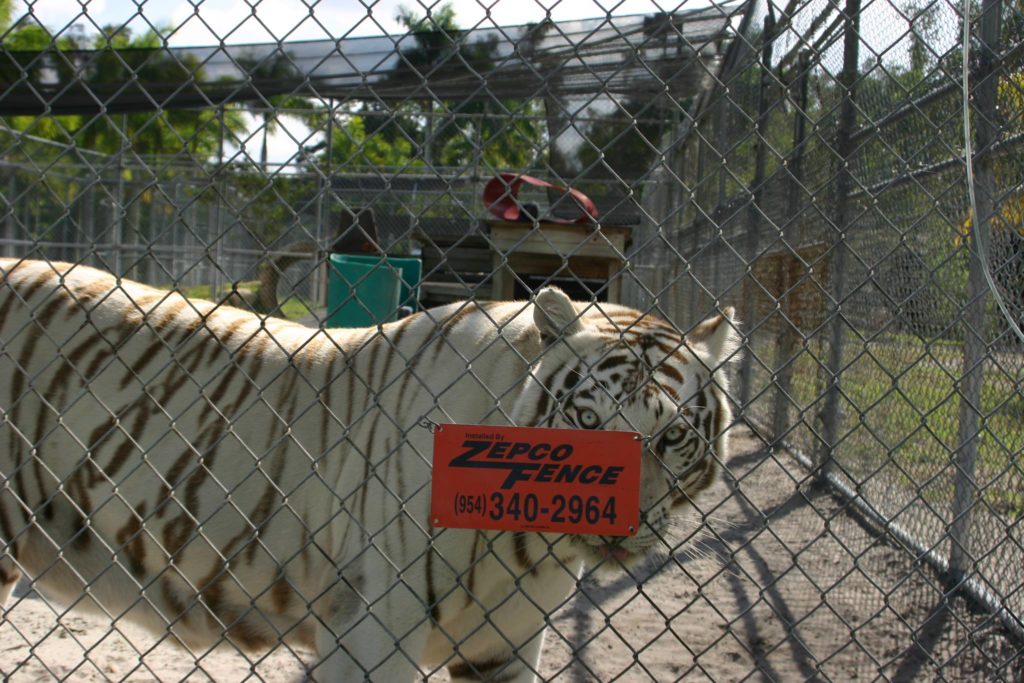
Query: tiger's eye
pixel 673 435
pixel 587 418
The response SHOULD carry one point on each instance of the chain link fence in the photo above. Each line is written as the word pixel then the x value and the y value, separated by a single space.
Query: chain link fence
pixel 870 327
pixel 822 167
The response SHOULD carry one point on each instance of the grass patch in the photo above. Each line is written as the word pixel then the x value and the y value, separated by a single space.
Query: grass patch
pixel 292 308
pixel 900 406
pixel 196 291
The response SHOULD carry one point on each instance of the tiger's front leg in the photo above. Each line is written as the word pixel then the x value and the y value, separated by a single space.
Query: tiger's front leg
pixel 500 640
pixel 503 664
pixel 9 576
pixel 371 640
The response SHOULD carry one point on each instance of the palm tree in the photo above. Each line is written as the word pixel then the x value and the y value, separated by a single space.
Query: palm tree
pixel 265 74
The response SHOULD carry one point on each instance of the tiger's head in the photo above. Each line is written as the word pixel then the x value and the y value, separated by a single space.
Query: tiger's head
pixel 614 368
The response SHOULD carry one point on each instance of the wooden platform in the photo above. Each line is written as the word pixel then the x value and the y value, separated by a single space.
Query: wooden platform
pixel 581 251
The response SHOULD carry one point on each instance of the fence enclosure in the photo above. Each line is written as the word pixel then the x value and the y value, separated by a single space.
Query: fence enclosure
pixel 806 164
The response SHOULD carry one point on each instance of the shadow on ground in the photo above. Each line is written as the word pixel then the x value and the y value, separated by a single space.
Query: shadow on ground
pixel 780 583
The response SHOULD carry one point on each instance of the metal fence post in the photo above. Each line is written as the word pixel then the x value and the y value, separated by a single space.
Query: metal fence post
pixel 985 133
pixel 10 219
pixel 214 228
pixel 755 213
pixel 843 183
pixel 700 164
pixel 324 206
pixel 721 160
pixel 122 210
pixel 89 200
pixel 178 220
pixel 787 336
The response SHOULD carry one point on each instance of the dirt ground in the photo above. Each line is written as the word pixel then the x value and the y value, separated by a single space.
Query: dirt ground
pixel 783 584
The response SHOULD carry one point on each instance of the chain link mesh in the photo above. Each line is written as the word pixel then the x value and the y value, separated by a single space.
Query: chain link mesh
pixel 803 163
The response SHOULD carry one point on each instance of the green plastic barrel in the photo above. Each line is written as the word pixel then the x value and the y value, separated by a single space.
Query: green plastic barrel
pixel 360 295
pixel 411 270
pixel 363 291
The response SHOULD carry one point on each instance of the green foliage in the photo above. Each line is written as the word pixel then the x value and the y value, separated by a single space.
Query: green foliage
pixel 354 146
pixel 372 134
pixel 269 207
pixel 121 57
pixel 496 135
pixel 32 36
pixel 437 19
pixel 505 135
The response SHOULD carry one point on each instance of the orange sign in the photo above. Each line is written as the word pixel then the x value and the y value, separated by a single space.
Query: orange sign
pixel 532 479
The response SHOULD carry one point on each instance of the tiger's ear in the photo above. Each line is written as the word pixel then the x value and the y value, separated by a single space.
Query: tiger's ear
pixel 718 335
pixel 554 315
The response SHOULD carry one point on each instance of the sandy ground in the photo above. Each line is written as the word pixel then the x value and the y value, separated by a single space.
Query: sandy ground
pixel 782 585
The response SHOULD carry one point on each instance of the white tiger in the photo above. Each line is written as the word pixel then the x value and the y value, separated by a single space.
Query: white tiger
pixel 216 475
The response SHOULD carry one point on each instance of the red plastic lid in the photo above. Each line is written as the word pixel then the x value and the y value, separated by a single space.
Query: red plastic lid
pixel 501 191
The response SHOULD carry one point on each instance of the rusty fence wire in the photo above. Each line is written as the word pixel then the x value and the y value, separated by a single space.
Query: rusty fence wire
pixel 805 163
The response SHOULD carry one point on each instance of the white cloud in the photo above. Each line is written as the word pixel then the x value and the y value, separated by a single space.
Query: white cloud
pixel 283 143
